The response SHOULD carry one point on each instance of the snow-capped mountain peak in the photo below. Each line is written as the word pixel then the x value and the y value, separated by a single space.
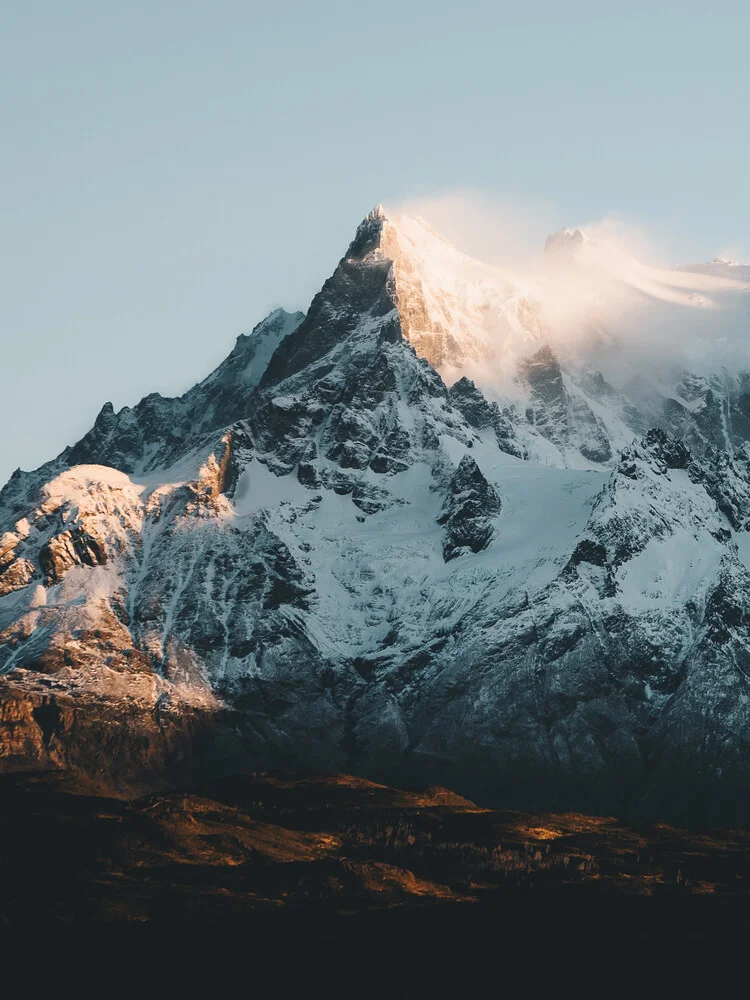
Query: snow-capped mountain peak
pixel 721 267
pixel 421 527
pixel 563 245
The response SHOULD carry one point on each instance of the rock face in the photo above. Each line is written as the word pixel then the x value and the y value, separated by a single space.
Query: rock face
pixel 330 553
pixel 565 420
pixel 469 511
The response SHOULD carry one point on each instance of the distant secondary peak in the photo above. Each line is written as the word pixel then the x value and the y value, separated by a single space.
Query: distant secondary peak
pixel 564 245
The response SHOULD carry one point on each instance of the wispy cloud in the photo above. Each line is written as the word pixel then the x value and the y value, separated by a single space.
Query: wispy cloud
pixel 619 286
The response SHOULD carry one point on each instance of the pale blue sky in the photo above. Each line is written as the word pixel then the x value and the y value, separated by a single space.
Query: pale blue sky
pixel 170 170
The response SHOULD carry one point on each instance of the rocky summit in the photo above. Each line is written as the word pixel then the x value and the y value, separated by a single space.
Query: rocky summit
pixel 413 534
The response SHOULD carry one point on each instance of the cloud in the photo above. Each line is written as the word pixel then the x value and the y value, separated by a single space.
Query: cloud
pixel 507 231
pixel 616 290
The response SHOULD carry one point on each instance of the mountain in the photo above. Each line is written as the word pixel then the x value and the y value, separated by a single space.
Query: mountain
pixel 720 267
pixel 420 531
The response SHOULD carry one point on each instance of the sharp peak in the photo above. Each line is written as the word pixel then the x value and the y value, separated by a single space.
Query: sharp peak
pixel 274 320
pixel 280 311
pixel 375 218
pixel 408 229
pixel 567 235
pixel 564 246
pixel 378 212
pixel 394 217
pixel 379 217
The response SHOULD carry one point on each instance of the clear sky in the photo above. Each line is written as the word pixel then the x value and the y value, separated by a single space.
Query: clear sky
pixel 173 169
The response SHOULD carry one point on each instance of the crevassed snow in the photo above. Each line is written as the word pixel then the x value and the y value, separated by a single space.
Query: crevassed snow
pixel 369 569
pixel 545 508
pixel 670 572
